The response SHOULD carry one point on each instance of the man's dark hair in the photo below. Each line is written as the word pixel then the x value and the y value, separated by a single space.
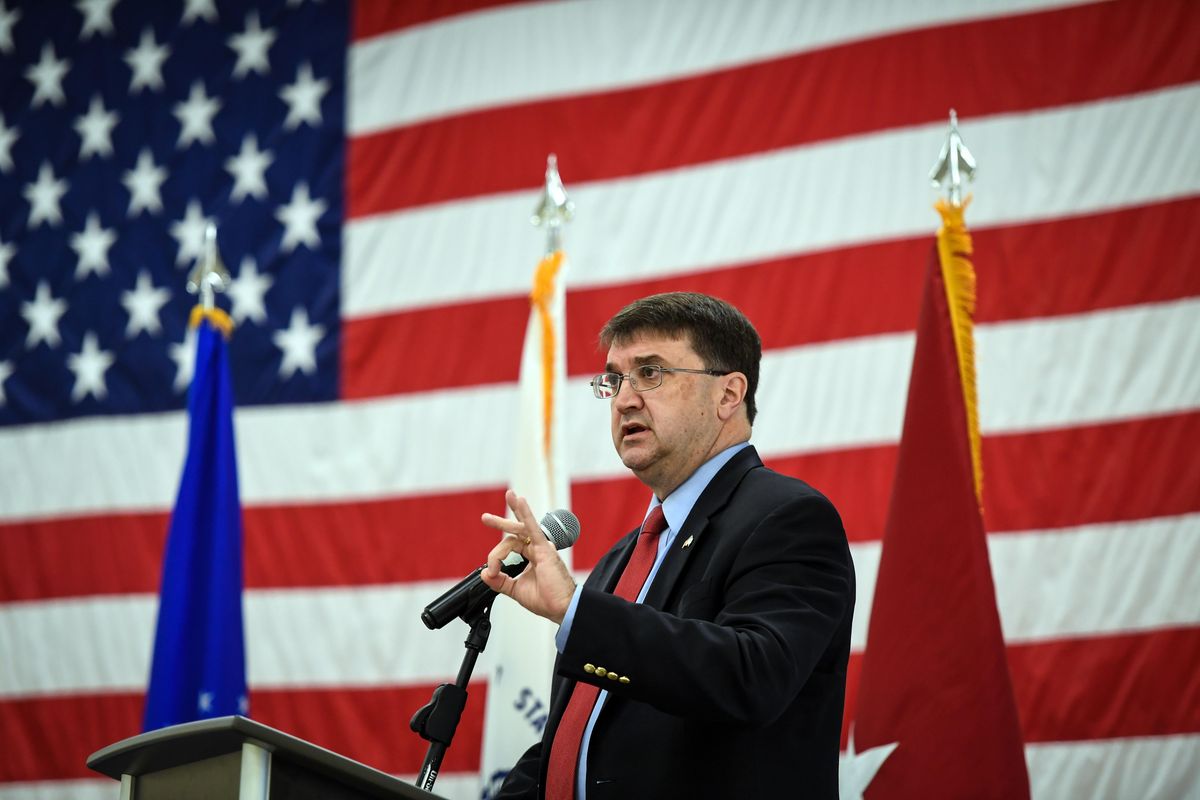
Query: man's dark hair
pixel 719 333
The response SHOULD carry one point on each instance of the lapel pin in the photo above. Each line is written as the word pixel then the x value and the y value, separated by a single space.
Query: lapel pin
pixel 687 543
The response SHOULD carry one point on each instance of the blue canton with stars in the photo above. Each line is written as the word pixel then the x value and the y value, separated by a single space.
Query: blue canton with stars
pixel 125 127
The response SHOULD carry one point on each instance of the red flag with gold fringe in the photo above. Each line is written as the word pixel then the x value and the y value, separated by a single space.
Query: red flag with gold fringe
pixel 936 715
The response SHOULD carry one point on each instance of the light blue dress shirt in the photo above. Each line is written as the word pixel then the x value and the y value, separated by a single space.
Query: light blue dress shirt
pixel 676 509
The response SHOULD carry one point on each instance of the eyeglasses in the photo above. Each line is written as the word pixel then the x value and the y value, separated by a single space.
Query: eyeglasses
pixel 644 378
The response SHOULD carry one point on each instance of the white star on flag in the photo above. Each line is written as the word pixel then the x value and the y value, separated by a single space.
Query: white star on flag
pixel 47 76
pixel 146 61
pixel 859 769
pixel 199 9
pixel 8 137
pixel 205 701
pixel 43 196
pixel 195 116
pixel 143 303
pixel 189 232
pixel 6 369
pixel 95 130
pixel 7 20
pixel 7 251
pixel 91 245
pixel 42 314
pixel 89 366
pixel 299 344
pixel 248 169
pixel 184 355
pixel 251 47
pixel 299 217
pixel 303 98
pixel 97 17
pixel 247 291
pixel 143 183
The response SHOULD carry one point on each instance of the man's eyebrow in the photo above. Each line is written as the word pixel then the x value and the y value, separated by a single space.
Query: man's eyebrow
pixel 652 358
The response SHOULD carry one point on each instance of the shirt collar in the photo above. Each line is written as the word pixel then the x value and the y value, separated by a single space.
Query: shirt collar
pixel 679 503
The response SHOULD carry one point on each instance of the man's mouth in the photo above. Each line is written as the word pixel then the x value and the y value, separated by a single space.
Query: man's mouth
pixel 632 429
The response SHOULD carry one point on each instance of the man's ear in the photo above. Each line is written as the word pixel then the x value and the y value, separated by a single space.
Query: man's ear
pixel 733 393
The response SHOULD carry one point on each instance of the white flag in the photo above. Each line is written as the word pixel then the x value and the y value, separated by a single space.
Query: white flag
pixel 522 645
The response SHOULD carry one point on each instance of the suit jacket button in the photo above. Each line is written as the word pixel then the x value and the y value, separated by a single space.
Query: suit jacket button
pixel 601 672
pixel 624 679
pixel 589 668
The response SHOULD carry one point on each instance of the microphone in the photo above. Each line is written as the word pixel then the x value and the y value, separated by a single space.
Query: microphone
pixel 560 526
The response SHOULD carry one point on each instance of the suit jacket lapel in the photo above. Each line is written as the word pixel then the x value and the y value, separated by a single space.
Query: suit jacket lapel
pixel 712 499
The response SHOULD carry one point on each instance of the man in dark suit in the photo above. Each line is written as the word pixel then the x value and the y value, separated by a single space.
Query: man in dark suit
pixel 705 655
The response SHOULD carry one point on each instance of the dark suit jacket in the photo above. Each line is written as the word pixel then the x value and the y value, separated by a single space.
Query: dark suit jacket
pixel 736 662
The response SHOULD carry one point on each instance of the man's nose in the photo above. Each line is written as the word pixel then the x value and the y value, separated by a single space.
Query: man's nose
pixel 626 396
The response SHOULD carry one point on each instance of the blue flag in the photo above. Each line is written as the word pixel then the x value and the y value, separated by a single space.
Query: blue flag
pixel 199 664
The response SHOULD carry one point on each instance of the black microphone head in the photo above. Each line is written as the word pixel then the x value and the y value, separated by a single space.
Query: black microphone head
pixel 561 527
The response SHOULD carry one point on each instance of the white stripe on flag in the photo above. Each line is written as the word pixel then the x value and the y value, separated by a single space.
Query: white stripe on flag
pixel 711 215
pixel 1088 580
pixel 498 57
pixel 294 454
pixel 1141 575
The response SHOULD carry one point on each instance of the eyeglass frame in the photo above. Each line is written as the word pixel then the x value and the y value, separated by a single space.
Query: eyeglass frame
pixel 628 376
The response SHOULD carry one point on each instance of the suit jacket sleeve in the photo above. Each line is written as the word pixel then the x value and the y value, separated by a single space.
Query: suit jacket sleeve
pixel 521 783
pixel 747 628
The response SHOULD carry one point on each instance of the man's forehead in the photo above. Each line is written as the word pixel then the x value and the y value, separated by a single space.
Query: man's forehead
pixel 644 347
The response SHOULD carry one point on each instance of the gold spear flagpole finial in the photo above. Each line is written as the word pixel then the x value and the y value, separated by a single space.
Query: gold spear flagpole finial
pixel 554 208
pixel 209 276
pixel 953 163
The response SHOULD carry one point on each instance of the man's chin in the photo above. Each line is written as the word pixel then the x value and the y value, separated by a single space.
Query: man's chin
pixel 635 459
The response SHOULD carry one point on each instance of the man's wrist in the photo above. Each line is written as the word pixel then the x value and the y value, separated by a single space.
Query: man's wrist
pixel 564 627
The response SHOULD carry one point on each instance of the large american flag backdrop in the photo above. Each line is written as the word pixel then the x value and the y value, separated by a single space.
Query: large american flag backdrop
pixel 372 169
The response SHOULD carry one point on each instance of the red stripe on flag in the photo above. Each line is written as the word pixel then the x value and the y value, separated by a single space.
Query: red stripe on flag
pixel 1057 478
pixel 381 355
pixel 1138 684
pixel 371 724
pixel 77 556
pixel 50 738
pixel 738 111
pixel 1032 481
pixel 1064 266
pixel 376 17
pixel 1144 684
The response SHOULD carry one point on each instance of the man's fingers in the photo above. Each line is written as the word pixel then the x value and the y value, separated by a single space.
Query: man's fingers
pixel 503 524
pixel 523 513
pixel 499 583
pixel 510 543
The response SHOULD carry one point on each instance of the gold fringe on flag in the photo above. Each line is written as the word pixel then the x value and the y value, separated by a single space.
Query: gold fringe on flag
pixel 544 281
pixel 954 251
pixel 219 319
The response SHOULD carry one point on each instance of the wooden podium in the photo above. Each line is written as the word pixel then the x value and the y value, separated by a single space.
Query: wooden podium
pixel 235 758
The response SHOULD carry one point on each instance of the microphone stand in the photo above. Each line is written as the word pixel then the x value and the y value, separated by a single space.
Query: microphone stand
pixel 437 720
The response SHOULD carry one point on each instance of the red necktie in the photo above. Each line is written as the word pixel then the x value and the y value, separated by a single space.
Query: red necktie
pixel 564 751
